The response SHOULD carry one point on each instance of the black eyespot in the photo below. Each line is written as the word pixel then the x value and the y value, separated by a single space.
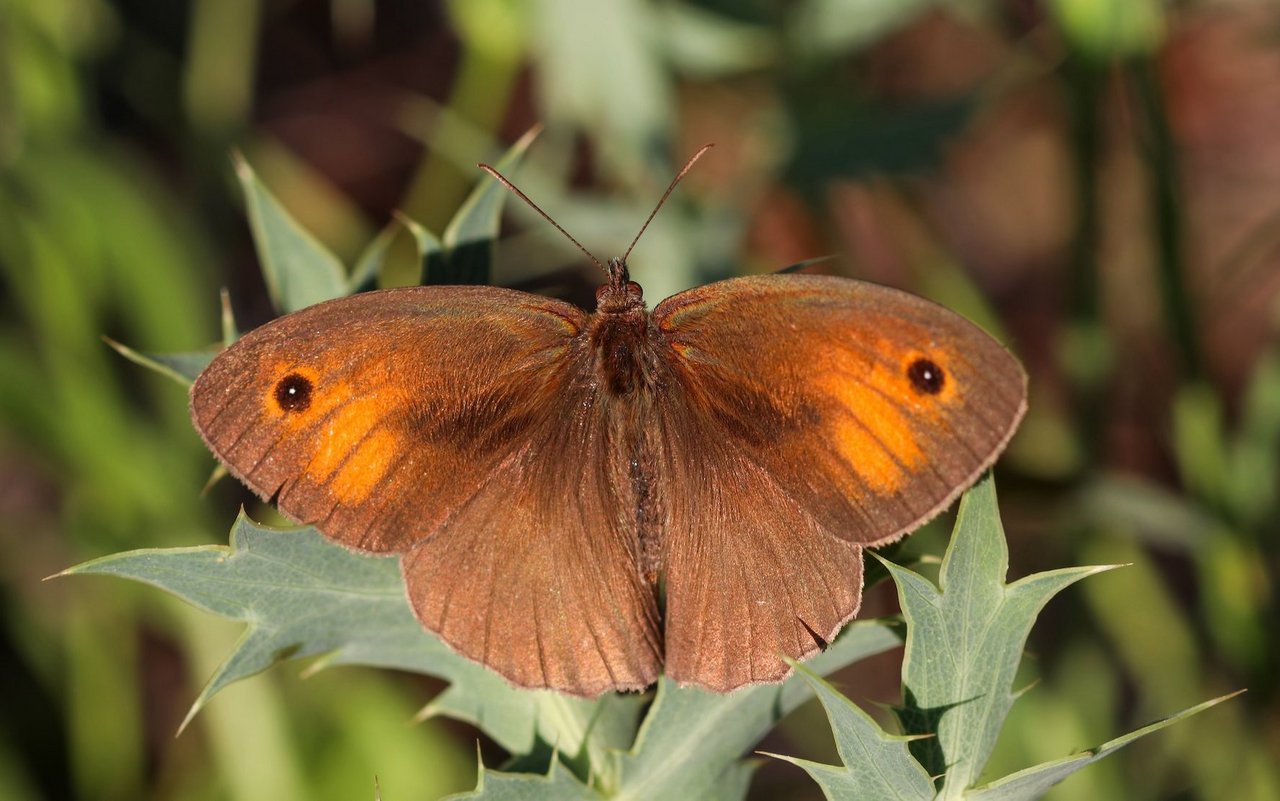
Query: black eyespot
pixel 293 393
pixel 926 377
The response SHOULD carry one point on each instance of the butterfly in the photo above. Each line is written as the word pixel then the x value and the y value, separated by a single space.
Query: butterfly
pixel 586 500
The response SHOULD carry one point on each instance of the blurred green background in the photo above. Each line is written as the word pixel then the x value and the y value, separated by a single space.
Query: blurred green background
pixel 1096 181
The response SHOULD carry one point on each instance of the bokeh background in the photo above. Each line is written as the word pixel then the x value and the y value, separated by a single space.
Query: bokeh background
pixel 1096 181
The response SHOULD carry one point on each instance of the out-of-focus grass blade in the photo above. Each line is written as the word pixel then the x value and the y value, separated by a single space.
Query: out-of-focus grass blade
pixel 299 271
pixel 430 251
pixel 706 45
pixel 1256 455
pixel 364 276
pixel 1199 443
pixel 230 332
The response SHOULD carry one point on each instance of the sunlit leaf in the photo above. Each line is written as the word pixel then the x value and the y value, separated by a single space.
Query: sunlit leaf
pixel 964 642
pixel 303 595
pixel 430 252
pixel 829 27
pixel 692 741
pixel 704 44
pixel 604 74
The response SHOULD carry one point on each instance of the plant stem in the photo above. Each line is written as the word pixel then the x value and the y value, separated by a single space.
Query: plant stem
pixel 1086 363
pixel 1166 201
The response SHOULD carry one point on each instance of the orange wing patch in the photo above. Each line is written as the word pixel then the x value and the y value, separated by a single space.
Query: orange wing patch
pixel 358 477
pixel 353 450
pixel 877 431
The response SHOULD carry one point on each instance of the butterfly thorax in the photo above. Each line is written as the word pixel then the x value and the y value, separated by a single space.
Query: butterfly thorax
pixel 620 335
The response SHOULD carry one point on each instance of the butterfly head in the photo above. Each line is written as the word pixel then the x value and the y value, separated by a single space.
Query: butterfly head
pixel 621 295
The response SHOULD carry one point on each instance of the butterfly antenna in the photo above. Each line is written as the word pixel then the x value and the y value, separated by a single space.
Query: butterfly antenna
pixel 516 191
pixel 687 166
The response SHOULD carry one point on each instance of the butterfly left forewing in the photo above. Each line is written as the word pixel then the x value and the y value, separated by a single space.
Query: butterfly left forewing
pixel 841 414
pixel 452 425
pixel 350 413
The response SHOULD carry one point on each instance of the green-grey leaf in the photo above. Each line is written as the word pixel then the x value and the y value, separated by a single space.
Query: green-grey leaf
pixel 964 642
pixel 877 765
pixel 692 740
pixel 303 595
pixel 828 27
pixel 1034 782
pixel 181 367
pixel 299 271
pixel 705 44
pixel 468 238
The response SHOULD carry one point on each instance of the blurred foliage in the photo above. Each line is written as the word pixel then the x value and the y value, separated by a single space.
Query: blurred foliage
pixel 1093 179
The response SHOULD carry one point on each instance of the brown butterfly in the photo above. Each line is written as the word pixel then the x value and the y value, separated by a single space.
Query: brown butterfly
pixel 586 500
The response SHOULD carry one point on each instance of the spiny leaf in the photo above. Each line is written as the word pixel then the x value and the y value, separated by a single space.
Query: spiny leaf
pixel 181 367
pixel 303 595
pixel 299 271
pixel 1032 783
pixel 964 642
pixel 557 785
pixel 876 764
